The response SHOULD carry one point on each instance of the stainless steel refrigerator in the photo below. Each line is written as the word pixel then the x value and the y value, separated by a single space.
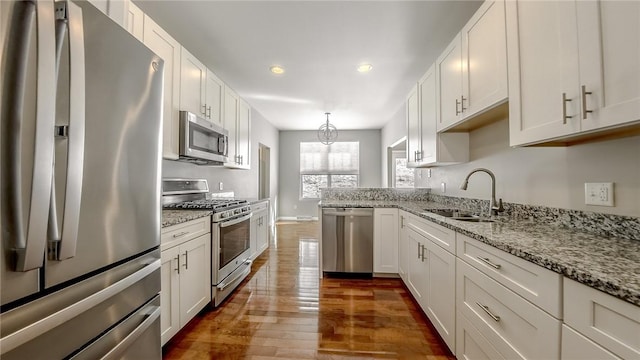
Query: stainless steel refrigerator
pixel 81 122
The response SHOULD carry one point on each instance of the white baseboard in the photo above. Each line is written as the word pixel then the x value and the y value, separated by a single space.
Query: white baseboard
pixel 297 218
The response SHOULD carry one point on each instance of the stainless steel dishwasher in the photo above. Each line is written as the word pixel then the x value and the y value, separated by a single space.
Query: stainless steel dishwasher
pixel 347 240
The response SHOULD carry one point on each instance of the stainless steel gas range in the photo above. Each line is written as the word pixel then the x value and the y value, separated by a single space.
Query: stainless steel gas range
pixel 230 253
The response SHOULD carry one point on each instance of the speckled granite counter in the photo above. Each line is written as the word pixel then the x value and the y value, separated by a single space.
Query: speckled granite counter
pixel 608 264
pixel 174 217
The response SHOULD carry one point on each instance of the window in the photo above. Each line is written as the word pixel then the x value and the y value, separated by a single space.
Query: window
pixel 325 166
pixel 402 176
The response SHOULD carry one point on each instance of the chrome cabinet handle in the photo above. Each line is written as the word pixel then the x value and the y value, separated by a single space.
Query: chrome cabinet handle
pixel 209 112
pixel 204 110
pixel 186 260
pixel 419 152
pixel 180 234
pixel 489 262
pixel 462 99
pixel 177 267
pixel 401 222
pixel 458 112
pixel 564 108
pixel 486 309
pixel 585 111
pixel 422 252
pixel 419 246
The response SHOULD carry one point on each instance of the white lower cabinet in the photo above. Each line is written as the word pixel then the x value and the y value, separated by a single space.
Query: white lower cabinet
pixel 385 240
pixel 609 322
pixel 403 246
pixel 576 346
pixel 515 327
pixel 417 271
pixel 185 275
pixel 441 291
pixel 430 274
pixel 259 232
pixel 471 344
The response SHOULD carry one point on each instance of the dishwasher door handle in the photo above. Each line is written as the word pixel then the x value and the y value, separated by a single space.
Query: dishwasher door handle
pixel 348 212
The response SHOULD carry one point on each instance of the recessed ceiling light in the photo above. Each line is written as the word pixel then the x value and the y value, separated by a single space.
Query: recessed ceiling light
pixel 363 68
pixel 276 69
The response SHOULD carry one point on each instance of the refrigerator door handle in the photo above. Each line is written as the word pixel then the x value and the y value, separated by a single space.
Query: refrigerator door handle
pixel 30 232
pixel 63 238
pixel 30 332
pixel 117 352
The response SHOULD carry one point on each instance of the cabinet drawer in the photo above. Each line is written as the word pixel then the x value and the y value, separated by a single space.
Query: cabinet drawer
pixel 610 322
pixel 440 235
pixel 177 234
pixel 471 345
pixel 514 326
pixel 577 347
pixel 540 286
pixel 259 206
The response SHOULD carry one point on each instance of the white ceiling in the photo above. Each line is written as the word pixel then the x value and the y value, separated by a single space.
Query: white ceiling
pixel 319 43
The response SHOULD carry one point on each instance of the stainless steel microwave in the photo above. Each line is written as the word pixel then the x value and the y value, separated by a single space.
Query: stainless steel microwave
pixel 201 141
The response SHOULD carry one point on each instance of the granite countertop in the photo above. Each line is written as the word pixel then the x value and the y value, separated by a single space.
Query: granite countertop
pixel 608 264
pixel 175 217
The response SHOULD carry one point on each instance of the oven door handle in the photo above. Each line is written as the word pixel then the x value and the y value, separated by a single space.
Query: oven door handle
pixel 236 220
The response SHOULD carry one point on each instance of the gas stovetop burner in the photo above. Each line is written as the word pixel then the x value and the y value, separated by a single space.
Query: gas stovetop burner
pixel 191 194
pixel 206 204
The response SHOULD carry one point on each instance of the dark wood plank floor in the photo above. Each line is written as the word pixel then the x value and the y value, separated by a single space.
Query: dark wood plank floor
pixel 284 311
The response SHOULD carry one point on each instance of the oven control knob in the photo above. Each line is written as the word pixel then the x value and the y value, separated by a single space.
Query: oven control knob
pixel 223 215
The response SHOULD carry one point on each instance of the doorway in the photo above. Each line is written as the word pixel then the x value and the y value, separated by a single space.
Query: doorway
pixel 264 171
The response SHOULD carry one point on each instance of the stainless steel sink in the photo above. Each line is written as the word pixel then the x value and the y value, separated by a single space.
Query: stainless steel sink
pixel 460 215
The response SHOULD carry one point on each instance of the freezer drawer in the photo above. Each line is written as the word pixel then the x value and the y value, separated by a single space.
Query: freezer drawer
pixel 347 240
pixel 77 316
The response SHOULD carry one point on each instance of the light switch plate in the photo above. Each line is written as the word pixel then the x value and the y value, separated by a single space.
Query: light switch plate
pixel 600 194
pixel 443 187
pixel 220 185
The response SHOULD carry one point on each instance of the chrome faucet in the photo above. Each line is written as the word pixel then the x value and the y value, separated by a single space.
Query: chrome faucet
pixel 494 210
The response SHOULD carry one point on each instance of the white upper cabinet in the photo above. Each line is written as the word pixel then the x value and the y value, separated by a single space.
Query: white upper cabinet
pixel 449 85
pixel 425 147
pixel 214 94
pixel 115 9
pixel 586 79
pixel 237 120
pixel 484 59
pixel 472 71
pixel 413 127
pixel 435 149
pixel 160 42
pixel 609 45
pixel 193 82
pixel 243 134
pixel 135 21
pixel 201 91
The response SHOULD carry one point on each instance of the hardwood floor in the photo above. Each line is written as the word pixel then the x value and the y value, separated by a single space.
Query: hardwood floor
pixel 284 311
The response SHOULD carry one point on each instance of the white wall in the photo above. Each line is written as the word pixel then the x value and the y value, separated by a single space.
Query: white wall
pixel 244 183
pixel 290 203
pixel 394 130
pixel 548 176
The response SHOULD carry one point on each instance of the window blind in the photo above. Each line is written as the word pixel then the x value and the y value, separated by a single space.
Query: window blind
pixel 339 158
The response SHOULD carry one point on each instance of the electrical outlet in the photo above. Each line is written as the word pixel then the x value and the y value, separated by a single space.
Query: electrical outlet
pixel 220 185
pixel 443 187
pixel 598 194
pixel 428 173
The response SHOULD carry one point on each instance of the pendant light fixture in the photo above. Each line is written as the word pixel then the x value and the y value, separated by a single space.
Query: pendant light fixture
pixel 327 133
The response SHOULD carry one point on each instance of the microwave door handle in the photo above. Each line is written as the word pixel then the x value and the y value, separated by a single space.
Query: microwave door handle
pixel 69 15
pixel 29 238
